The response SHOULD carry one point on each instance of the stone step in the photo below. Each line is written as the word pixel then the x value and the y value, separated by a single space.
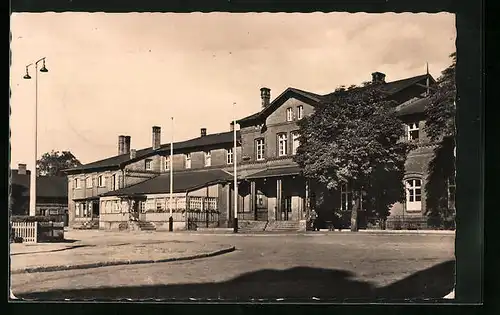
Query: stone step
pixel 146 226
pixel 280 226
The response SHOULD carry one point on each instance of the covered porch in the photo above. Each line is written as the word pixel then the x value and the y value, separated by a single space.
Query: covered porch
pixel 275 194
pixel 87 212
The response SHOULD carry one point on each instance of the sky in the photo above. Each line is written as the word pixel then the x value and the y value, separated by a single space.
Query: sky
pixel 113 74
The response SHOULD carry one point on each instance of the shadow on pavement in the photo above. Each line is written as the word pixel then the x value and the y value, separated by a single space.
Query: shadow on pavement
pixel 301 283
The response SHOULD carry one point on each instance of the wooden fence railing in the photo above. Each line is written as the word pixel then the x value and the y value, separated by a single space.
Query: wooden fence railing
pixel 28 231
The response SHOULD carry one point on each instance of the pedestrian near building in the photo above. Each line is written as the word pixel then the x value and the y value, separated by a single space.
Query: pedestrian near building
pixel 313 220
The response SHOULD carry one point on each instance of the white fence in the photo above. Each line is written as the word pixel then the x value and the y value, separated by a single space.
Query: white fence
pixel 28 231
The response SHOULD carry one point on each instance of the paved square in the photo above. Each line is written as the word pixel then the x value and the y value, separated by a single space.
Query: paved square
pixel 339 265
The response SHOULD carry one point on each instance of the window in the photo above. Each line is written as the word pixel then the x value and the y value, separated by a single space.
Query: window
pixel 451 192
pixel 208 158
pixel 117 181
pixel 289 114
pixel 229 155
pixel 82 210
pixel 142 206
pixel 345 198
pixel 160 204
pixel 259 148
pixel 114 182
pixel 116 206
pixel 149 164
pixel 101 181
pixel 188 160
pixel 413 132
pixel 77 183
pixel 300 112
pixel 413 195
pixel 167 163
pixel 88 182
pixel 295 142
pixel 282 144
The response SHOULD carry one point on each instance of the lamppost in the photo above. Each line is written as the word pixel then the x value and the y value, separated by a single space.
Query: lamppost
pixel 33 174
pixel 235 221
pixel 171 166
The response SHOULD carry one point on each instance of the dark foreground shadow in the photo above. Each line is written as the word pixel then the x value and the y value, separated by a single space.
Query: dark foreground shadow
pixel 301 283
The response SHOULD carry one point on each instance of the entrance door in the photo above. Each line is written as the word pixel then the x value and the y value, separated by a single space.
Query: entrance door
pixel 286 208
pixel 261 206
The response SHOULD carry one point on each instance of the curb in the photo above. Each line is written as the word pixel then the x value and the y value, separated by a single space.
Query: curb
pixel 320 233
pixel 121 262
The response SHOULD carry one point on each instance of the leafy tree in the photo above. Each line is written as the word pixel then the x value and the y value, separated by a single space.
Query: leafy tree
pixel 355 139
pixel 440 127
pixel 52 163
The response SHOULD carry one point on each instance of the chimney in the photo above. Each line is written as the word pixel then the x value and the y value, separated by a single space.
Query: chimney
pixel 231 126
pixel 203 132
pixel 156 137
pixel 265 95
pixel 378 77
pixel 121 144
pixel 21 169
pixel 126 145
pixel 133 154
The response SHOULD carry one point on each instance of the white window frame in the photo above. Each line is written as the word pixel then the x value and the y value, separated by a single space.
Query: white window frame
pixel 282 144
pixel 113 182
pixel 142 206
pixel 259 149
pixel 148 164
pixel 208 158
pixel 117 181
pixel 412 127
pixel 116 206
pixel 188 160
pixel 160 204
pixel 346 201
pixel 101 181
pixel 229 156
pixel 89 182
pixel 289 114
pixel 300 112
pixel 295 142
pixel 452 188
pixel 78 184
pixel 413 188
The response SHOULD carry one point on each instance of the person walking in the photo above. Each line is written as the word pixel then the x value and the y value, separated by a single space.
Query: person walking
pixel 314 217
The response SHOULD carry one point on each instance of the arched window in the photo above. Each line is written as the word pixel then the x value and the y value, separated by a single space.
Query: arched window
pixel 413 194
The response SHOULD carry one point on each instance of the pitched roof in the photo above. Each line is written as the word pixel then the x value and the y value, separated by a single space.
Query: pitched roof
pixel 184 181
pixel 123 159
pixel 46 186
pixel 52 186
pixel 388 88
pixel 413 106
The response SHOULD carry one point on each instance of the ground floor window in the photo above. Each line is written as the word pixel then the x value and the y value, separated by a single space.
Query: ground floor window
pixel 345 198
pixel 83 210
pixel 413 194
pixel 451 193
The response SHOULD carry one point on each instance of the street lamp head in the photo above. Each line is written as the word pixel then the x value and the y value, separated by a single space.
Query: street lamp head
pixel 43 68
pixel 27 75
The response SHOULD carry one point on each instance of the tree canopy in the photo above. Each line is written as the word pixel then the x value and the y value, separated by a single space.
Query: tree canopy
pixel 440 127
pixel 356 139
pixel 52 163
pixel 441 111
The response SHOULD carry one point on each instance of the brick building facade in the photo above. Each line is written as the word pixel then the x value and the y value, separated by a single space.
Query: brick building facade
pixel 135 184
